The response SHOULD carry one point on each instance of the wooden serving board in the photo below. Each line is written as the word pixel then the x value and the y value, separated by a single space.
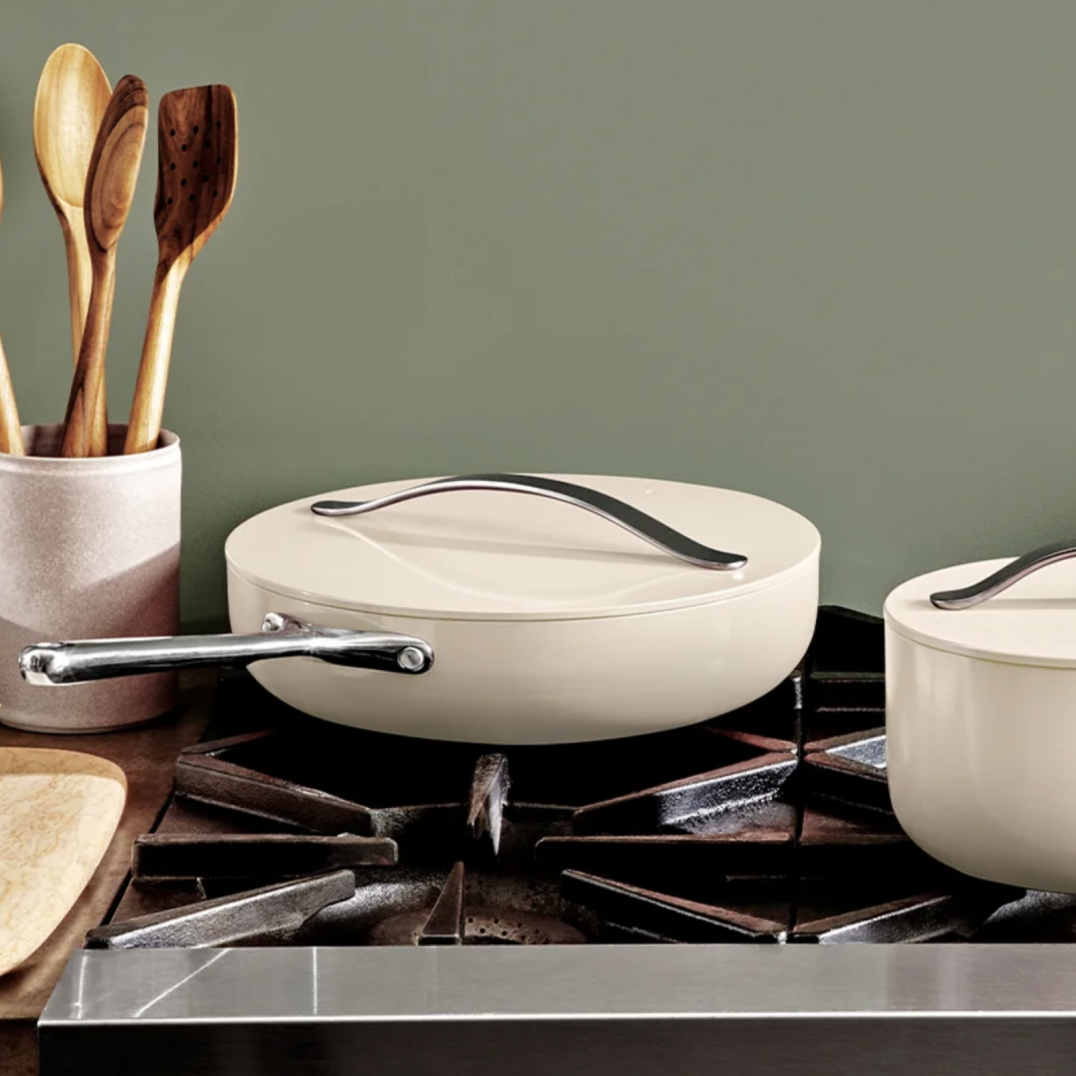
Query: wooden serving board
pixel 146 756
pixel 58 812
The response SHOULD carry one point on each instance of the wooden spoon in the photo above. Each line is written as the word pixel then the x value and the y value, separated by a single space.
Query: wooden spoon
pixel 198 153
pixel 10 430
pixel 72 96
pixel 110 185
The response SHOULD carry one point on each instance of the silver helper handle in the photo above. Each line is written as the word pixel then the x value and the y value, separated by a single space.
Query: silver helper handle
pixel 49 664
pixel 616 511
pixel 1004 577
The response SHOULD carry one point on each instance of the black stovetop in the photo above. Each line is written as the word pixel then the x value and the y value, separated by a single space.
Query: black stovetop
pixel 770 824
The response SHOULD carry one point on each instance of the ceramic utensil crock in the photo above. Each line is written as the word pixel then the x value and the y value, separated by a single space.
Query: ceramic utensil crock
pixel 89 548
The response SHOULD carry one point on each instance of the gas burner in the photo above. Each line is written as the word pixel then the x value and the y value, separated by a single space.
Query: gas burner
pixel 452 921
pixel 480 926
pixel 771 824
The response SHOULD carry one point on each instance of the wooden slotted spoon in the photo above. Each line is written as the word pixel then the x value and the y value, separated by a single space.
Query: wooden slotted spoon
pixel 197 158
pixel 72 96
pixel 10 430
pixel 110 185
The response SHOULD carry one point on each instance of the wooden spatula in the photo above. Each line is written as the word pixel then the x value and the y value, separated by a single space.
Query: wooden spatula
pixel 198 153
pixel 10 430
pixel 110 185
pixel 72 95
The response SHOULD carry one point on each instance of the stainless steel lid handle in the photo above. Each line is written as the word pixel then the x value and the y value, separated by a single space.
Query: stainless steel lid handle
pixel 1004 577
pixel 616 511
pixel 48 664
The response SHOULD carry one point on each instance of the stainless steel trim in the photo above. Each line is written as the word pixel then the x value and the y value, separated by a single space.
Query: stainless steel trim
pixel 599 1010
pixel 49 664
pixel 1004 577
pixel 632 519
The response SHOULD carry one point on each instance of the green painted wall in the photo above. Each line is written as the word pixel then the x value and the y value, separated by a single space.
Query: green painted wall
pixel 824 251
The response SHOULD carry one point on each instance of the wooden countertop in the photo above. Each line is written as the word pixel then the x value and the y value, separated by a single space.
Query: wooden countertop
pixel 146 755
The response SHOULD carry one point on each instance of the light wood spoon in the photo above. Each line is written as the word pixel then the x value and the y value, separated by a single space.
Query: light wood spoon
pixel 10 430
pixel 72 96
pixel 110 185
pixel 197 158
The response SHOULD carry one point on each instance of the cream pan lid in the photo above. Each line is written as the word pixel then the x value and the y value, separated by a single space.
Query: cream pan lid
pixel 490 555
pixel 1033 622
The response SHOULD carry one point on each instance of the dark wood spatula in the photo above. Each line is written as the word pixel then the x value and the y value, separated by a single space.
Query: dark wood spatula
pixel 197 157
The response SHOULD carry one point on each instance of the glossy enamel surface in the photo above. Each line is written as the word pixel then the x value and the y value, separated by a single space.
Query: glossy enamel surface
pixel 546 681
pixel 980 761
pixel 487 555
pixel 1031 623
pixel 548 623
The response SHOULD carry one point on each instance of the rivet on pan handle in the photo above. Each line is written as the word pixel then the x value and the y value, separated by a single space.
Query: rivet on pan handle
pixel 1004 577
pixel 48 664
pixel 616 511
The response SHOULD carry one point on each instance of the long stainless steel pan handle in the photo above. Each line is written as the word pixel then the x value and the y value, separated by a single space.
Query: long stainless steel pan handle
pixel 616 511
pixel 1004 577
pixel 281 637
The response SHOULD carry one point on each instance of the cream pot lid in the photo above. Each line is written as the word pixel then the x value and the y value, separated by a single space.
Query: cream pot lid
pixel 1032 622
pixel 493 555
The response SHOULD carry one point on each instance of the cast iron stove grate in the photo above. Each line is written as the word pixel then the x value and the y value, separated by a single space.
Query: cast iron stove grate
pixel 771 824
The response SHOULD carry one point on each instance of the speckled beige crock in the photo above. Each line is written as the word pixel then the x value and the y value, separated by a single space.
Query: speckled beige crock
pixel 89 549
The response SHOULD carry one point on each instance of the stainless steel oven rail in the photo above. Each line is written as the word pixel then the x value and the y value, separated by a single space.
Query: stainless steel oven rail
pixel 639 1010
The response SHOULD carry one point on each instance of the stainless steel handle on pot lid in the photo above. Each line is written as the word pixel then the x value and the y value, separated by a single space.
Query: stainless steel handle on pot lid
pixel 282 637
pixel 616 511
pixel 1004 577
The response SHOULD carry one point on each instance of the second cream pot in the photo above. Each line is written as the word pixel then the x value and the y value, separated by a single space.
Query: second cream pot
pixel 980 710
